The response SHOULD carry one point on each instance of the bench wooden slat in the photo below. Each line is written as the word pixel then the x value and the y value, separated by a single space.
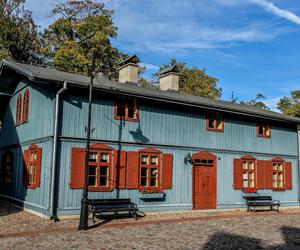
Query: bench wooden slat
pixel 99 206
pixel 261 201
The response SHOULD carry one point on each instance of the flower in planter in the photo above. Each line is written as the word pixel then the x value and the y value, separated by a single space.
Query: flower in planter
pixel 151 190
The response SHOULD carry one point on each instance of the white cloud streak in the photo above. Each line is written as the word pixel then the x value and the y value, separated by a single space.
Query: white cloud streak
pixel 272 8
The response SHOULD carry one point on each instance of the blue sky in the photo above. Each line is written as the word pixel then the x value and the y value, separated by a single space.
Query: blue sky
pixel 251 46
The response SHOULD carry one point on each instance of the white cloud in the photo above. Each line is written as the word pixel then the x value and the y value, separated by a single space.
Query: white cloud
pixel 150 66
pixel 272 103
pixel 272 8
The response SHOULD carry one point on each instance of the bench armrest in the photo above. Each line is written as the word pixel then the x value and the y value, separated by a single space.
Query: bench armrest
pixel 276 202
pixel 132 206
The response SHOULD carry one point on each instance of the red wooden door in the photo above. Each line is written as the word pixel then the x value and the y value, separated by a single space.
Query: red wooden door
pixel 204 187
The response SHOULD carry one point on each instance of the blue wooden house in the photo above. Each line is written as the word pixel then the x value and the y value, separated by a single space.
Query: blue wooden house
pixel 164 150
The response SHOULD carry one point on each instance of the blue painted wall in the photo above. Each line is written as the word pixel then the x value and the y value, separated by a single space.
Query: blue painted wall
pixel 171 129
pixel 164 126
pixel 41 115
pixel 180 196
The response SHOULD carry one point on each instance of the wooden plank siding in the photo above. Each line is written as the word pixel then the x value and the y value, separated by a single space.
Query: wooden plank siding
pixel 171 129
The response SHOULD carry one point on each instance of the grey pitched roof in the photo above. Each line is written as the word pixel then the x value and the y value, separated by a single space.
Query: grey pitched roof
pixel 45 75
pixel 132 59
pixel 173 69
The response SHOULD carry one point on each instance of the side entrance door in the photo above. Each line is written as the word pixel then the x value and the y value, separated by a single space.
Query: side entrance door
pixel 204 181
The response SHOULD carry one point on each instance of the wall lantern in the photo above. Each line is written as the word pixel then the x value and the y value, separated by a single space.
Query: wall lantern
pixel 188 158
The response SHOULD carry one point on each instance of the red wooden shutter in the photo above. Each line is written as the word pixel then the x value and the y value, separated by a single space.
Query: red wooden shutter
pixel 77 168
pixel 119 169
pixel 19 109
pixel 132 170
pixel 38 167
pixel 167 171
pixel 260 174
pixel 288 175
pixel 237 174
pixel 26 106
pixel 268 175
pixel 25 167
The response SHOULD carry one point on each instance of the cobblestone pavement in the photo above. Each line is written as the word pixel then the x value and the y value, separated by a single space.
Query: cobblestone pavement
pixel 255 232
pixel 262 231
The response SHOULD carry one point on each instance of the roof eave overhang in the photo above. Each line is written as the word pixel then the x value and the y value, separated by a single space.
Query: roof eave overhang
pixel 114 90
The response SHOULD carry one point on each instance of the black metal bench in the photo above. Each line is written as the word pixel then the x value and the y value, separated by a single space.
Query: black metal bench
pixel 261 201
pixel 104 206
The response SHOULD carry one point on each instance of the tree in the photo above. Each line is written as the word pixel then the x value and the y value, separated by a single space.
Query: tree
pixel 290 105
pixel 257 102
pixel 195 81
pixel 83 28
pixel 19 38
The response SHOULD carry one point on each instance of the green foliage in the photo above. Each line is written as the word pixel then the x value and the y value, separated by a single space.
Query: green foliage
pixel 257 102
pixel 195 81
pixel 290 105
pixel 83 28
pixel 18 33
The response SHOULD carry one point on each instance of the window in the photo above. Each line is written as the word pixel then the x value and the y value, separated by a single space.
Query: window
pixel 215 122
pixel 278 175
pixel 149 170
pixel 248 168
pixel 19 110
pixel 32 166
pixel 26 106
pixel 7 166
pixel 263 130
pixel 126 109
pixel 99 170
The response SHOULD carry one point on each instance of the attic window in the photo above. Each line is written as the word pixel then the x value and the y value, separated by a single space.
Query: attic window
pixel 215 122
pixel 126 109
pixel 263 130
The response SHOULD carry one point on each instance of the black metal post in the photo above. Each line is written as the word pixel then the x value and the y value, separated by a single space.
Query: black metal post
pixel 83 222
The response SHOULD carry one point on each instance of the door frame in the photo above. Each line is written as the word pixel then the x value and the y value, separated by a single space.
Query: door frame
pixel 205 155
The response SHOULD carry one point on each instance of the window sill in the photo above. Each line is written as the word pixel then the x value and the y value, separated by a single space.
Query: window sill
pixel 127 119
pixel 278 189
pixel 252 190
pixel 18 124
pixel 215 130
pixel 263 136
pixel 100 189
pixel 31 187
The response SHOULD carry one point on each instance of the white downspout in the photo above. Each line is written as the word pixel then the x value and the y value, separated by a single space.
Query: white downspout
pixel 54 151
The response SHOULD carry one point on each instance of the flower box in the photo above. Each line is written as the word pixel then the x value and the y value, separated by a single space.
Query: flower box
pixel 152 196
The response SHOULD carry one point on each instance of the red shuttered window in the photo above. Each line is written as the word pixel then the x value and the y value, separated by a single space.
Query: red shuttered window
pixel 26 100
pixel 100 170
pixel 106 169
pixel 19 110
pixel 126 109
pixel 215 122
pixel 278 175
pixel 275 174
pixel 149 170
pixel 32 167
pixel 245 174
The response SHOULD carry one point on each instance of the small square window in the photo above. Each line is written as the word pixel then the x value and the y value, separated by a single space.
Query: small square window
pixel 93 157
pixel 104 157
pixel 263 130
pixel 251 165
pixel 144 159
pixel 245 165
pixel 154 160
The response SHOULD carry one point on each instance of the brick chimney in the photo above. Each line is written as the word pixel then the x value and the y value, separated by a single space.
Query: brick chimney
pixel 128 70
pixel 169 78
